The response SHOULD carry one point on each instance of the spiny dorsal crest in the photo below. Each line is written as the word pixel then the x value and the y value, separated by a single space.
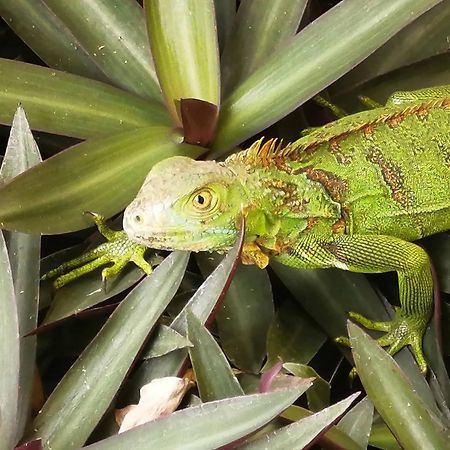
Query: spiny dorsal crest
pixel 262 153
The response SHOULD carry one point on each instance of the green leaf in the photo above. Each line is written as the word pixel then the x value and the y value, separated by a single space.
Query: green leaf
pixel 113 33
pixel 215 379
pixel 62 103
pixel 319 394
pixel 292 336
pixel 317 56
pixel 83 395
pixel 397 403
pixel 225 14
pixel 300 434
pixel 433 71
pixel 328 295
pixel 260 28
pixel 438 247
pixel 24 254
pixel 202 427
pixel 48 37
pixel 87 292
pixel 165 340
pixel 202 304
pixel 381 437
pixel 425 37
pixel 247 312
pixel 9 353
pixel 357 423
pixel 333 436
pixel 53 196
pixel 184 45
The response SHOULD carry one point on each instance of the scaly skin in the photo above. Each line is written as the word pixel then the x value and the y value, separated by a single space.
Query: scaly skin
pixel 352 194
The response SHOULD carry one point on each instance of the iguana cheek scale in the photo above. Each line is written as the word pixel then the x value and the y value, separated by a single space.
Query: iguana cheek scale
pixel 352 194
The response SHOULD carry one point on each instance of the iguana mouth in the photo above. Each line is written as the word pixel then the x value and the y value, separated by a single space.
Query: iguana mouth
pixel 183 239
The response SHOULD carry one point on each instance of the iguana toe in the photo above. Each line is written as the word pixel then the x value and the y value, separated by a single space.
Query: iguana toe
pixel 402 331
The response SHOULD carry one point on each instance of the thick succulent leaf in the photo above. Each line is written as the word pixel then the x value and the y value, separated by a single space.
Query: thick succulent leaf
pixel 225 14
pixel 438 247
pixel 48 37
pixel 246 315
pixel 24 254
pixel 207 426
pixel 333 437
pixel 433 71
pixel 63 103
pixel 163 341
pixel 102 175
pixel 184 45
pixel 215 379
pixel 203 304
pixel 397 403
pixel 113 33
pixel 357 423
pixel 328 295
pixel 87 292
pixel 292 336
pixel 317 56
pixel 260 28
pixel 382 437
pixel 425 37
pixel 319 394
pixel 9 353
pixel 83 395
pixel 302 433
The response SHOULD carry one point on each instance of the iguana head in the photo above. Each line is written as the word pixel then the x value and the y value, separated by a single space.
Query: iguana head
pixel 186 205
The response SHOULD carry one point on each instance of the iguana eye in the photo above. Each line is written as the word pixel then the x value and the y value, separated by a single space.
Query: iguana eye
pixel 202 200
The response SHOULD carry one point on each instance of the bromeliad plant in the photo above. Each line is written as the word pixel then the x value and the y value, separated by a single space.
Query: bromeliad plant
pixel 134 85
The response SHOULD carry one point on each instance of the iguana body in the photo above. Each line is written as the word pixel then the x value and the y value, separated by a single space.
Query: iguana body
pixel 351 194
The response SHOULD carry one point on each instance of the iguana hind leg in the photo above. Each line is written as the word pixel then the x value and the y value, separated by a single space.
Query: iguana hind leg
pixel 374 254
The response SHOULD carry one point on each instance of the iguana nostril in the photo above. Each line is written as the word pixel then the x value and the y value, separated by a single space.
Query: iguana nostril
pixel 138 219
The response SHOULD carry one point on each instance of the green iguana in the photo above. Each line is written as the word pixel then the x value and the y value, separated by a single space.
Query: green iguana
pixel 352 194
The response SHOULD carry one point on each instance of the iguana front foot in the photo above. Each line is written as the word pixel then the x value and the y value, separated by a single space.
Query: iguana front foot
pixel 402 331
pixel 119 250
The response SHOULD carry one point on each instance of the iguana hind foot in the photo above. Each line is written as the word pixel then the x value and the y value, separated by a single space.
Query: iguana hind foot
pixel 400 332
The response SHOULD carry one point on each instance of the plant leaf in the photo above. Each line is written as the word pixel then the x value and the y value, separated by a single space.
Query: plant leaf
pixel 61 103
pixel 202 304
pixel 24 254
pixel 260 28
pixel 165 340
pixel 317 56
pixel 397 403
pixel 421 39
pixel 9 352
pixel 215 379
pixel 186 429
pixel 292 337
pixel 48 37
pixel 327 295
pixel 53 196
pixel 357 423
pixel 183 40
pixel 303 432
pixel 246 314
pixel 83 395
pixel 225 14
pixel 319 394
pixel 113 33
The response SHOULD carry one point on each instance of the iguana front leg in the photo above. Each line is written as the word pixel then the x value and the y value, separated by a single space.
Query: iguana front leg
pixel 374 254
pixel 119 250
